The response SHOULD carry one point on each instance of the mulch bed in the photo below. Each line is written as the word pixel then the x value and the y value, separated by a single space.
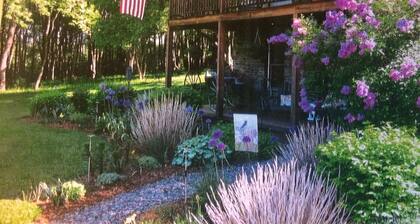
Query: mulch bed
pixel 98 194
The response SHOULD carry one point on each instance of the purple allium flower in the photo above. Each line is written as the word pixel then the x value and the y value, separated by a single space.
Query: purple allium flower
pixel 347 49
pixel 370 101
pixel 102 86
pixel 110 92
pixel 303 93
pixel 208 121
pixel 350 5
pixel 408 68
pixel 366 45
pixel 334 21
pixel 280 38
pixel 418 102
pixel 246 139
pixel 405 25
pixel 217 134
pixel 189 109
pixel 274 139
pixel 360 117
pixel 108 97
pixel 413 3
pixel 325 60
pixel 140 105
pixel 200 112
pixel 395 75
pixel 213 143
pixel 221 146
pixel 362 89
pixel 345 90
pixel 350 118
pixel 126 103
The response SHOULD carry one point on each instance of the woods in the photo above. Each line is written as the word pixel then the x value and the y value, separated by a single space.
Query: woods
pixel 48 40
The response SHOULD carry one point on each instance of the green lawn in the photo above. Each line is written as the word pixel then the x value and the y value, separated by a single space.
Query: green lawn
pixel 31 152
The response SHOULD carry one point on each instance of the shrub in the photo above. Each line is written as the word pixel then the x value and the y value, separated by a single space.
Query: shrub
pixel 276 194
pixel 159 125
pixel 51 105
pixel 57 195
pixel 18 212
pixel 80 100
pixel 84 120
pixel 301 143
pixel 377 170
pixel 73 191
pixel 148 163
pixel 106 179
pixel 191 96
pixel 196 151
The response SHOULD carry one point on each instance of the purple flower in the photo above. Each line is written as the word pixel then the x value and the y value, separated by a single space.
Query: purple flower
pixel 303 92
pixel 305 105
pixel 217 134
pixel 311 47
pixel 221 146
pixel 408 68
pixel 126 103
pixel 325 60
pixel 350 118
pixel 360 117
pixel 110 92
pixel 362 89
pixel 345 90
pixel 334 20
pixel 364 9
pixel 350 5
pixel 280 38
pixel 274 139
pixel 246 139
pixel 140 105
pixel 366 45
pixel 200 112
pixel 123 89
pixel 102 86
pixel 347 49
pixel 405 25
pixel 297 23
pixel 208 121
pixel 213 143
pixel 413 3
pixel 370 101
pixel 189 109
pixel 395 75
pixel 418 102
pixel 373 21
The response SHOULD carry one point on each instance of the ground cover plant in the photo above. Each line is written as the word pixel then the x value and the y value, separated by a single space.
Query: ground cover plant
pixel 18 212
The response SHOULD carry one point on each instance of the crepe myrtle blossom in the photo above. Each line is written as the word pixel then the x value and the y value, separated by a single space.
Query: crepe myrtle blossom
pixel 350 118
pixel 345 90
pixel 325 60
pixel 334 21
pixel 347 49
pixel 370 101
pixel 418 102
pixel 280 38
pixel 405 25
pixel 362 89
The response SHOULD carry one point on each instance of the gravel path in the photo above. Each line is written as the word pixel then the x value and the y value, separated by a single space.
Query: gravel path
pixel 118 208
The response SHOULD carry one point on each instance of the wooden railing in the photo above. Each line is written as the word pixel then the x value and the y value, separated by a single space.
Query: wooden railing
pixel 180 9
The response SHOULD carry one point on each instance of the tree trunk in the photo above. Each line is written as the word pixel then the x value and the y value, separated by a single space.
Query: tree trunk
pixel 6 54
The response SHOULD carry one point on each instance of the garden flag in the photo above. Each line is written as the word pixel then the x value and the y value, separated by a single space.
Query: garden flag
pixel 133 7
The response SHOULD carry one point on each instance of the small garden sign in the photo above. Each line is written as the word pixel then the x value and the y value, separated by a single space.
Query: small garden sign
pixel 246 132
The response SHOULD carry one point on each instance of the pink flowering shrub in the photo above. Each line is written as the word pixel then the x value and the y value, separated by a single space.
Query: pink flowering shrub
pixel 361 63
pixel 281 194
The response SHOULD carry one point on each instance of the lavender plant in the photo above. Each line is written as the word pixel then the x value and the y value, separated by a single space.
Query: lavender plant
pixel 160 124
pixel 276 194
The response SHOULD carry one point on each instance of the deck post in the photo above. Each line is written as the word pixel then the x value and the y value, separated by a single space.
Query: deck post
pixel 220 81
pixel 169 67
pixel 294 112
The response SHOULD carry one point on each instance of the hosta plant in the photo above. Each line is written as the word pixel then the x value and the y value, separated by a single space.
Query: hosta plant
pixel 377 169
pixel 148 163
pixel 106 179
pixel 281 194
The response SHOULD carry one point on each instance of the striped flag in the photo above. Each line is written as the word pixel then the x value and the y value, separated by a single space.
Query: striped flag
pixel 133 7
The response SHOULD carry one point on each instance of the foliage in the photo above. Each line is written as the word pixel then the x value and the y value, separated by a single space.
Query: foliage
pixel 106 179
pixel 160 124
pixel 52 105
pixel 196 151
pixel 301 144
pixel 276 194
pixel 57 195
pixel 361 63
pixel 266 143
pixel 73 191
pixel 83 120
pixel 80 100
pixel 18 212
pixel 377 170
pixel 195 97
pixel 148 163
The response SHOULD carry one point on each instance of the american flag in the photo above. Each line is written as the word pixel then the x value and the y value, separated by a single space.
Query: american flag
pixel 133 7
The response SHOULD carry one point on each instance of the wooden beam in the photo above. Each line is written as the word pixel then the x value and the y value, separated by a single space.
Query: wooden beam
pixel 220 80
pixel 258 13
pixel 169 63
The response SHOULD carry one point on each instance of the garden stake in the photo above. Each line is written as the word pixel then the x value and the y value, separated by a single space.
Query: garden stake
pixel 90 157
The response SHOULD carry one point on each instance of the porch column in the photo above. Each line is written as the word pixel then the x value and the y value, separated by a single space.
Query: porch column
pixel 221 43
pixel 169 63
pixel 294 113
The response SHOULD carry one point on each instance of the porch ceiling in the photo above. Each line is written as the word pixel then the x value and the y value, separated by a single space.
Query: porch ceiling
pixel 257 14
